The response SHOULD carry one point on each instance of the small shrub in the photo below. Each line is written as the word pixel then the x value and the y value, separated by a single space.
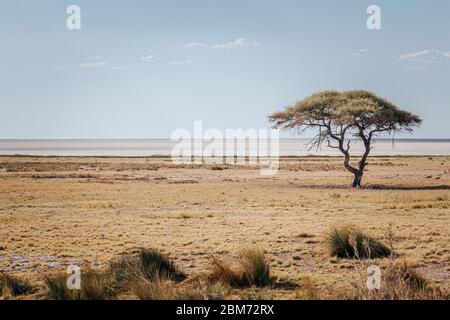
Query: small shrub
pixel 94 286
pixel 255 267
pixel 350 242
pixel 156 289
pixel 146 263
pixel 124 269
pixel 57 287
pixel 412 278
pixel 152 264
pixel 400 281
pixel 308 291
pixel 253 270
pixel 222 272
pixel 161 288
pixel 14 286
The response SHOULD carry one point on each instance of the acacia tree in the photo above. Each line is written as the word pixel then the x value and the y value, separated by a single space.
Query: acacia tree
pixel 340 117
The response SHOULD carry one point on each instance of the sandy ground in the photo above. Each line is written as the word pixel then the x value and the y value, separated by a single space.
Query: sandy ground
pixel 59 211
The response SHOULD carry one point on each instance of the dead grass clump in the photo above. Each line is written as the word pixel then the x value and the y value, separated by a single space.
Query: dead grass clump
pixel 400 281
pixel 156 289
pixel 223 272
pixel 256 268
pixel 350 242
pixel 94 286
pixel 165 289
pixel 13 286
pixel 146 263
pixel 413 279
pixel 253 270
pixel 152 263
pixel 308 291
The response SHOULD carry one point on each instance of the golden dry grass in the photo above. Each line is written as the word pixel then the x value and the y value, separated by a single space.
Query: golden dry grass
pixel 57 211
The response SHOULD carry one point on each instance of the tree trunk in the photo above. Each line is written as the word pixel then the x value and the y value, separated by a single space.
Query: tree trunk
pixel 357 180
pixel 359 171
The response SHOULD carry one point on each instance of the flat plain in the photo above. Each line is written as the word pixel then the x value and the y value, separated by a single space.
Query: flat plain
pixel 57 211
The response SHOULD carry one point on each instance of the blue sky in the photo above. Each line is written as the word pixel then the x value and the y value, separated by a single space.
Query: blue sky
pixel 141 69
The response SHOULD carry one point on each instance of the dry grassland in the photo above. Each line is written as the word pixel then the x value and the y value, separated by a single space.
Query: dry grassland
pixel 59 211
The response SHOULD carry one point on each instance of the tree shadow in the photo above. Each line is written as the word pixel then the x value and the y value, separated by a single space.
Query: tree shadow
pixel 371 187
pixel 403 187
pixel 389 187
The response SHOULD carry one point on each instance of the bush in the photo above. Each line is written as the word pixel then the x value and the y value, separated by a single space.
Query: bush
pixel 222 272
pixel 147 263
pixel 164 289
pixel 253 270
pixel 350 242
pixel 400 281
pixel 11 285
pixel 413 279
pixel 155 289
pixel 255 267
pixel 94 286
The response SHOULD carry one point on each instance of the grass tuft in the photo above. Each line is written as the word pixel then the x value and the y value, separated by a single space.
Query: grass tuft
pixel 222 272
pixel 161 288
pixel 253 270
pixel 154 264
pixel 255 267
pixel 350 242
pixel 156 289
pixel 411 277
pixel 94 286
pixel 146 263
pixel 14 286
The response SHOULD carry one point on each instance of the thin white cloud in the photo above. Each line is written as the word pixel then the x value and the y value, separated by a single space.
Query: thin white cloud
pixel 98 64
pixel 195 45
pixel 427 56
pixel 148 58
pixel 360 52
pixel 181 62
pixel 241 42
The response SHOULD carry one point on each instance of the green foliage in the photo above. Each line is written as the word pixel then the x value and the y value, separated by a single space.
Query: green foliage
pixel 356 109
